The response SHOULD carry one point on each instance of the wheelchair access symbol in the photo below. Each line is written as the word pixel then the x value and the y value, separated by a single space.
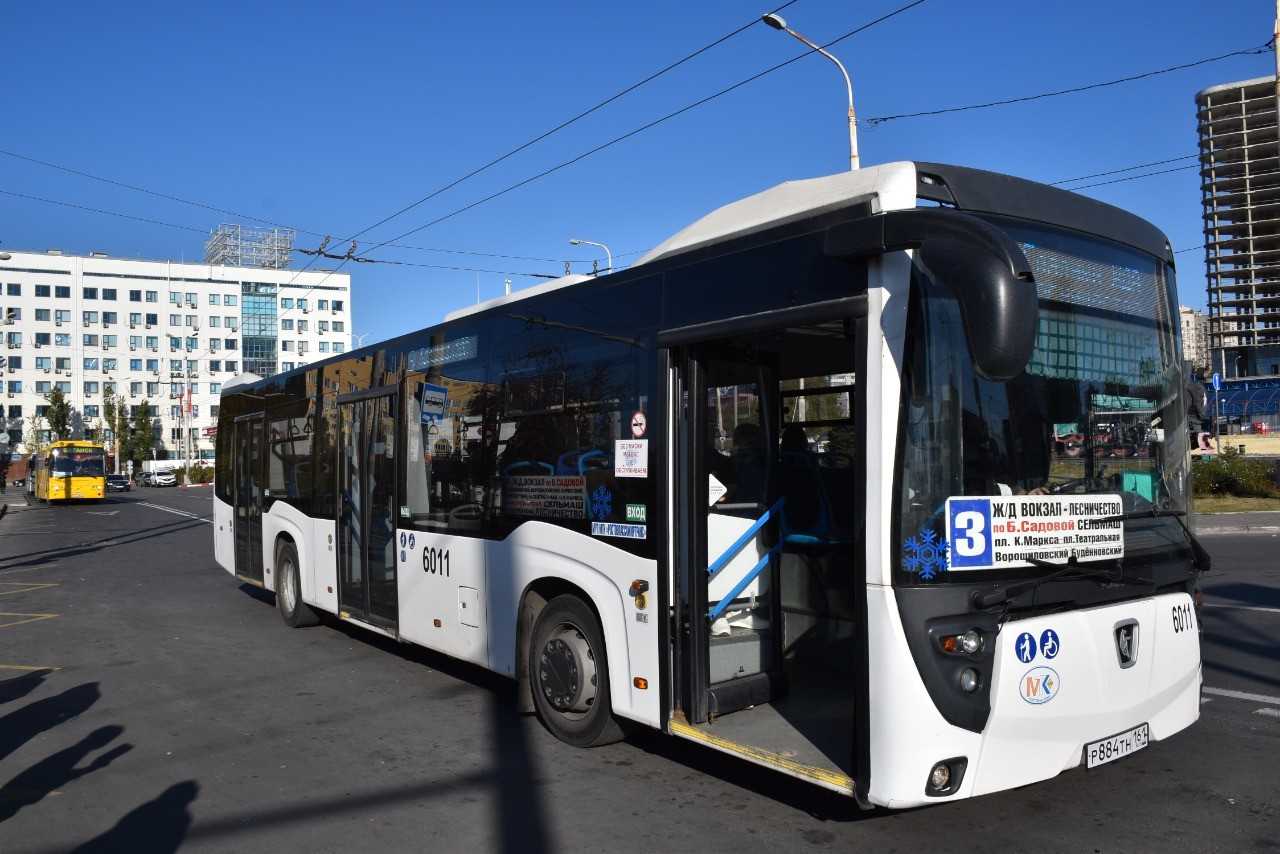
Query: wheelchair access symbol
pixel 1049 643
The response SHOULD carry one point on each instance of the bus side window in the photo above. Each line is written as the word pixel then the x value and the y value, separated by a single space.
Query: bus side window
pixel 448 424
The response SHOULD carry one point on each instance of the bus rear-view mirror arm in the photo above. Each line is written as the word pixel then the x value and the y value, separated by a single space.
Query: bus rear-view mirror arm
pixel 982 265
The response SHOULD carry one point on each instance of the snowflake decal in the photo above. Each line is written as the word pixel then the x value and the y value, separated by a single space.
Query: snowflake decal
pixel 925 555
pixel 601 504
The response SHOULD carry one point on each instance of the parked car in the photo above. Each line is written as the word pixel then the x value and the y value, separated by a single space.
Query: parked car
pixel 118 483
pixel 164 478
pixel 143 478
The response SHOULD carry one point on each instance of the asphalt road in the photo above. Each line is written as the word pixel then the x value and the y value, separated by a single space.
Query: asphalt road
pixel 149 701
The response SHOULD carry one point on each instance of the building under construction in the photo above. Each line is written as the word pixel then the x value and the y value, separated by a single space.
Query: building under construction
pixel 1240 190
pixel 239 246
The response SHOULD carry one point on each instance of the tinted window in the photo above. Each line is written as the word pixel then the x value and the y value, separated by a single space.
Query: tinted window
pixel 450 413
pixel 290 427
pixel 572 369
pixel 778 275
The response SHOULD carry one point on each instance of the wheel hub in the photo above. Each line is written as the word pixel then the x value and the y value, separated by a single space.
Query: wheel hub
pixel 287 591
pixel 567 671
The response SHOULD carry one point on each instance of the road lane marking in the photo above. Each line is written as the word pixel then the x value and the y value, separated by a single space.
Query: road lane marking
pixel 1242 607
pixel 1241 695
pixel 29 618
pixel 1267 713
pixel 24 586
pixel 26 667
pixel 174 511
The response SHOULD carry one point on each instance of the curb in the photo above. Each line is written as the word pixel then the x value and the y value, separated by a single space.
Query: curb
pixel 1247 529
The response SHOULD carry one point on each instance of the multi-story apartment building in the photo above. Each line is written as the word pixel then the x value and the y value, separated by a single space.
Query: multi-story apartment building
pixel 1240 192
pixel 1195 338
pixel 144 330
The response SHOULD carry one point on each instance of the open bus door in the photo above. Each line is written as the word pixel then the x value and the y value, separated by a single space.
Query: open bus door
pixel 770 591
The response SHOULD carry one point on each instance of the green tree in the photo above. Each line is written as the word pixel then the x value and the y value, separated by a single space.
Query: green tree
pixel 141 436
pixel 116 417
pixel 35 427
pixel 58 414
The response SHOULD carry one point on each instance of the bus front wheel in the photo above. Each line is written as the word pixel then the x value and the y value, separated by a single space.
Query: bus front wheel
pixel 569 674
pixel 295 612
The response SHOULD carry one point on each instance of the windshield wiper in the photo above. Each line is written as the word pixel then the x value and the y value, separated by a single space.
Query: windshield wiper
pixel 1199 554
pixel 1071 571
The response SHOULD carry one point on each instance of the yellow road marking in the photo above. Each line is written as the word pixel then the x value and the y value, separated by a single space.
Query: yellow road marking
pixel 25 586
pixel 26 667
pixel 29 618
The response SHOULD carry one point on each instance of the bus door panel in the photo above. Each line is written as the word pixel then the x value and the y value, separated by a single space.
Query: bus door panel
pixel 441 587
pixel 247 494
pixel 769 580
pixel 367 473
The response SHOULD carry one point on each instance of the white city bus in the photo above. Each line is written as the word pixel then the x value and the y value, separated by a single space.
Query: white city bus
pixel 878 479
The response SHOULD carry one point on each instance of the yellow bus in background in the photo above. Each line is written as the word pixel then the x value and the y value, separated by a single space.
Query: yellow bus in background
pixel 69 470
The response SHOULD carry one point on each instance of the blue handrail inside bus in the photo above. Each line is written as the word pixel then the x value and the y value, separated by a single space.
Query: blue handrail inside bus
pixel 730 553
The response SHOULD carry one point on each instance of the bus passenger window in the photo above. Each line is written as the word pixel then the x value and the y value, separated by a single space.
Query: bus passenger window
pixel 446 476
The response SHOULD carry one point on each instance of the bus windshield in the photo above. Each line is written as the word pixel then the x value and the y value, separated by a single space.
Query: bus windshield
pixel 1097 419
pixel 78 461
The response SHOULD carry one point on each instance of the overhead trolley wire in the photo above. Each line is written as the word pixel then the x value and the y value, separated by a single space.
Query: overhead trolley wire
pixel 240 215
pixel 104 211
pixel 1125 169
pixel 648 125
pixel 1004 102
pixel 566 123
pixel 193 228
pixel 1135 177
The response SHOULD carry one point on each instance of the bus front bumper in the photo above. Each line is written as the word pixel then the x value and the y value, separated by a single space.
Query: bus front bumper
pixel 1065 684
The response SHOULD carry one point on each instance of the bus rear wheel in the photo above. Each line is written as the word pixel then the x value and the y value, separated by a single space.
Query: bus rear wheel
pixel 295 612
pixel 569 674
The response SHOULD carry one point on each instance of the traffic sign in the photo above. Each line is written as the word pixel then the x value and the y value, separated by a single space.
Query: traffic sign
pixel 1217 381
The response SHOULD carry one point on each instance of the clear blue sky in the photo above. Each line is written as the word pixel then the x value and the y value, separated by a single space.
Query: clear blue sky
pixel 329 116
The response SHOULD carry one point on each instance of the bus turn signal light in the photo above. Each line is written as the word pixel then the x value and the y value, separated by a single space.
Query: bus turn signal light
pixel 641 683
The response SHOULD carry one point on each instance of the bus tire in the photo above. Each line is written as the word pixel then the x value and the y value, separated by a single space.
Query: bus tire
pixel 293 610
pixel 569 674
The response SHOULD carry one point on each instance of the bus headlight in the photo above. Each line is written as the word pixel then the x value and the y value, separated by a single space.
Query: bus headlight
pixel 969 680
pixel 969 643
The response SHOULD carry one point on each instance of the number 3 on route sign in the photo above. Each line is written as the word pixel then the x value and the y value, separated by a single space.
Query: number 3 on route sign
pixel 969 532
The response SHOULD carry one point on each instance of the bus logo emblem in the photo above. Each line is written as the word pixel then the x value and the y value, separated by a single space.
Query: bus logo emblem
pixel 1127 643
pixel 1039 685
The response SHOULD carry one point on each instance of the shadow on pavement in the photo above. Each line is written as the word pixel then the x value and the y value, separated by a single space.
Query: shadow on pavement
pixel 156 827
pixel 118 539
pixel 266 597
pixel 19 727
pixel 521 814
pixel 48 775
pixel 1245 593
pixel 20 686
pixel 765 782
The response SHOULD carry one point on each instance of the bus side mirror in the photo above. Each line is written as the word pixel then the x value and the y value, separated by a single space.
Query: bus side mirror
pixel 980 263
pixel 999 308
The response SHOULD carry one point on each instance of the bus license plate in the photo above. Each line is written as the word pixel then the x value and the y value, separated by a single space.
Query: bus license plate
pixel 1117 746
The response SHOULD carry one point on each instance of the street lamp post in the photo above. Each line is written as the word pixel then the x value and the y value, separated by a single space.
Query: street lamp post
pixel 779 23
pixel 573 241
